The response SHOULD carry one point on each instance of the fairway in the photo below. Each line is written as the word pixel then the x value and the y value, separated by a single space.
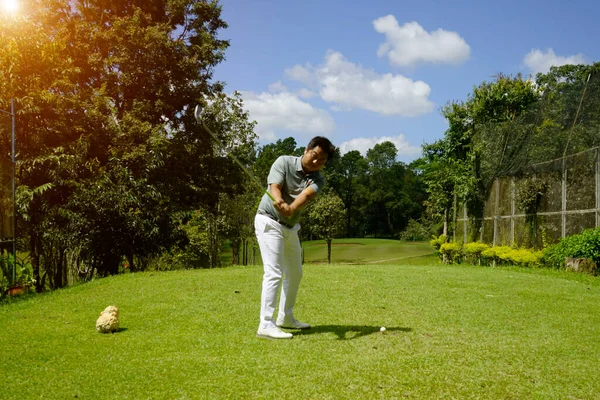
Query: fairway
pixel 357 251
pixel 452 332
pixel 364 251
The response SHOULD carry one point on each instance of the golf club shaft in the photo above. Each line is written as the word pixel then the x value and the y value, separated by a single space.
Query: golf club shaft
pixel 234 158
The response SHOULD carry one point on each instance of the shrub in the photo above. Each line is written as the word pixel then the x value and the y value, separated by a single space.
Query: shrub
pixel 415 231
pixel 473 252
pixel 438 242
pixel 451 252
pixel 496 255
pixel 584 245
pixel 524 257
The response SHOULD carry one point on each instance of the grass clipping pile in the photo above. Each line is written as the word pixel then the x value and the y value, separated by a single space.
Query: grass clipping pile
pixel 108 320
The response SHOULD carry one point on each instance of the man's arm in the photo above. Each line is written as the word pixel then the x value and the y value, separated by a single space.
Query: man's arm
pixel 289 209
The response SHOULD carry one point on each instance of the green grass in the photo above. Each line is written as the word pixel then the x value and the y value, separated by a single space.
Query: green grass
pixel 364 251
pixel 452 332
pixel 356 251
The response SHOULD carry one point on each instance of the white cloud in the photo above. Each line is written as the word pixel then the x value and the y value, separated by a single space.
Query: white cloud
pixel 301 73
pixel 538 61
pixel 410 44
pixel 306 94
pixel 277 87
pixel 285 111
pixel 349 86
pixel 363 144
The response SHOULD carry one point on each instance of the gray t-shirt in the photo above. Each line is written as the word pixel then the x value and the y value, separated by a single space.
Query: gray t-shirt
pixel 287 172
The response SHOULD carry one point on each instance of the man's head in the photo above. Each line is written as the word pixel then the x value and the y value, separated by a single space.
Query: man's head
pixel 316 154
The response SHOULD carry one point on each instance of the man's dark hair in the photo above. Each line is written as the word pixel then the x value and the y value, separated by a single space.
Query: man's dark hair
pixel 324 144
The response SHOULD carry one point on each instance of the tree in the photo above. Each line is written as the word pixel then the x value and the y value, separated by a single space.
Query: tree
pixel 327 218
pixel 474 150
pixel 348 177
pixel 569 111
pixel 383 187
pixel 270 152
pixel 105 93
pixel 239 212
pixel 439 181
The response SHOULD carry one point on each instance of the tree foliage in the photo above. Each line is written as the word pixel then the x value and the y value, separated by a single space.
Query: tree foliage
pixel 105 94
pixel 504 127
pixel 327 218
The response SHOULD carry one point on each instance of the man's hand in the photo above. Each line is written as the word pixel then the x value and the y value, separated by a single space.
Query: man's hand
pixel 280 205
pixel 284 208
pixel 288 210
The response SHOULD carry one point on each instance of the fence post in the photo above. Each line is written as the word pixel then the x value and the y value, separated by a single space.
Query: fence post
pixel 496 207
pixel 564 200
pixel 454 218
pixel 512 210
pixel 597 188
pixel 465 222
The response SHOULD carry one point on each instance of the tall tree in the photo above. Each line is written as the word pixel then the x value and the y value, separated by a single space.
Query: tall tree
pixel 268 153
pixel 349 180
pixel 105 92
pixel 469 137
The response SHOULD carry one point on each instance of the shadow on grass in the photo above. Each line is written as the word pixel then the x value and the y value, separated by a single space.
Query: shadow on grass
pixel 348 332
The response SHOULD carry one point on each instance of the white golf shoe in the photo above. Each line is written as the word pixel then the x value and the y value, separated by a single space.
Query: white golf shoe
pixel 292 324
pixel 273 333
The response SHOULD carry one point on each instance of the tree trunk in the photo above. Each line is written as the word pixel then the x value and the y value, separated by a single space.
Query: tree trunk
pixel 59 268
pixel 35 262
pixel 132 265
pixel 329 251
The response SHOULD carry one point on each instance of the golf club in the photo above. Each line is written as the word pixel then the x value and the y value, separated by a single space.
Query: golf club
pixel 198 115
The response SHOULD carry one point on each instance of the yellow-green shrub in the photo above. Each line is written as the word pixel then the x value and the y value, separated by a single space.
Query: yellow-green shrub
pixel 496 254
pixel 451 252
pixel 473 251
pixel 525 257
pixel 437 242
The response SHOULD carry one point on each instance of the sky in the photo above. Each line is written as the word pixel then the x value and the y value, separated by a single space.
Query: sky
pixel 362 72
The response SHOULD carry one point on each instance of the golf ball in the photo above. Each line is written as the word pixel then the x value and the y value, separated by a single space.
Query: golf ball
pixel 382 329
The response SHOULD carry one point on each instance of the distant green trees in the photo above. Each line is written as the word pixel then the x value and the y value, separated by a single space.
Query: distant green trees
pixel 380 193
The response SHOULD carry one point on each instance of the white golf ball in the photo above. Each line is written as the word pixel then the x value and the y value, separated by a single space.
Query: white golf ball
pixel 382 329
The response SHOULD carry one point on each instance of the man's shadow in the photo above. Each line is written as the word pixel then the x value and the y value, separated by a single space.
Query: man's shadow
pixel 349 332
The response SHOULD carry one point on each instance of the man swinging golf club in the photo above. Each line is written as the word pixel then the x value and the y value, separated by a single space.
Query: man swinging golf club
pixel 292 182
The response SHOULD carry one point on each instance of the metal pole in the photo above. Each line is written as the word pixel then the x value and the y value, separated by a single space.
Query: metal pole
pixel 597 188
pixel 512 211
pixel 14 232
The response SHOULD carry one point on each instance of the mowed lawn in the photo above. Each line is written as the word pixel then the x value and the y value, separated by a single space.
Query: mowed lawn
pixel 461 332
pixel 354 251
pixel 363 251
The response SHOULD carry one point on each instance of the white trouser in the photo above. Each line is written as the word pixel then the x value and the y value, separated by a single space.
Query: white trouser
pixel 282 258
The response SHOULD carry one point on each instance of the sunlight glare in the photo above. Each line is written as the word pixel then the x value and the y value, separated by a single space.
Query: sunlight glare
pixel 10 6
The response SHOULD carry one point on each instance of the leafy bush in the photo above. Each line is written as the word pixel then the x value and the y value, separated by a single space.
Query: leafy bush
pixel 584 245
pixel 524 257
pixel 451 252
pixel 415 232
pixel 473 252
pixel 438 242
pixel 496 255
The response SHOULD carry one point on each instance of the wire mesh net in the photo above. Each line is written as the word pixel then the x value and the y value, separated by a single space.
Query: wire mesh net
pixel 542 169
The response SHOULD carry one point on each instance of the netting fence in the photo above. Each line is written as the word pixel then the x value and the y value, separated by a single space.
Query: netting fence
pixel 541 172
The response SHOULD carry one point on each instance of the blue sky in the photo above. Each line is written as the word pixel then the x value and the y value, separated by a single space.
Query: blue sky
pixel 360 72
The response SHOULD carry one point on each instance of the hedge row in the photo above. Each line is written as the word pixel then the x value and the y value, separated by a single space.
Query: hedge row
pixel 585 245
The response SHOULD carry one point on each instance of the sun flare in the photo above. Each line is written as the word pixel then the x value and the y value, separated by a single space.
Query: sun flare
pixel 10 5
